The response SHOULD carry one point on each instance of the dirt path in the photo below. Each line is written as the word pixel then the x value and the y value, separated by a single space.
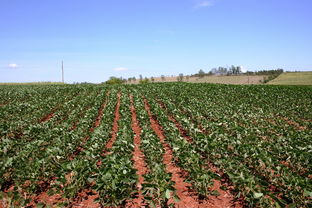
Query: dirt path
pixel 138 158
pixel 225 197
pixel 187 199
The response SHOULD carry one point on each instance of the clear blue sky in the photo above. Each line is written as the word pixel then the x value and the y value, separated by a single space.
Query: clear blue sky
pixel 102 38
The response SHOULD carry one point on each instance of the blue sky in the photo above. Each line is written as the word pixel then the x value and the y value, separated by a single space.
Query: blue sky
pixel 102 38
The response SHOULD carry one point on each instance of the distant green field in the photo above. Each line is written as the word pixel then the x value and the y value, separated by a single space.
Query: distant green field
pixel 30 83
pixel 293 78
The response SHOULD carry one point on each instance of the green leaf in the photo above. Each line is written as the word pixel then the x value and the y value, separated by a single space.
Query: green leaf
pixel 39 205
pixel 215 193
pixel 258 195
pixel 307 193
pixel 293 205
pixel 176 198
pixel 167 194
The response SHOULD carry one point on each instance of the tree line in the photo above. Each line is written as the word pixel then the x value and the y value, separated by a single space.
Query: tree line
pixel 223 71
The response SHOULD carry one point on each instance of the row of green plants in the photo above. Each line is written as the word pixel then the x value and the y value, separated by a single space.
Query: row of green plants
pixel 258 136
pixel 232 142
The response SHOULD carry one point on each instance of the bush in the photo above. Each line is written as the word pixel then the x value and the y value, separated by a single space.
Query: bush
pixel 114 80
pixel 144 81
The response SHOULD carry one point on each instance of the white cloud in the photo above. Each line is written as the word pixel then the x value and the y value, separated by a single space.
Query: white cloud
pixel 244 69
pixel 121 69
pixel 12 66
pixel 207 3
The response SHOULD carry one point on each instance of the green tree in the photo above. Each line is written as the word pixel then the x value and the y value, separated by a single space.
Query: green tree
pixel 180 77
pixel 114 80
pixel 201 73
pixel 144 81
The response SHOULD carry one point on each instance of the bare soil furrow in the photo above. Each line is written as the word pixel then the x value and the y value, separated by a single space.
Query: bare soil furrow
pixel 225 197
pixel 48 116
pixel 187 198
pixel 138 158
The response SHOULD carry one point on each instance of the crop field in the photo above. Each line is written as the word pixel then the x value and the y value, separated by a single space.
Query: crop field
pixel 156 145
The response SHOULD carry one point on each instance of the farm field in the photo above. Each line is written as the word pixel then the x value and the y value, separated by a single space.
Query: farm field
pixel 232 79
pixel 293 78
pixel 156 145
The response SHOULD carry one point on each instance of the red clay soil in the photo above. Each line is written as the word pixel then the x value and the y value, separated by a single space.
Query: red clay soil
pixel 100 114
pixel 47 117
pixel 295 124
pixel 225 198
pixel 139 160
pixel 44 198
pixel 86 198
pixel 187 199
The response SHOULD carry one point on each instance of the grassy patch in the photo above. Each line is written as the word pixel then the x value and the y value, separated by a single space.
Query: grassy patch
pixel 293 78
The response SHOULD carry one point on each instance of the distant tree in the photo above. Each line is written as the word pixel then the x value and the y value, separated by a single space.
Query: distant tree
pixel 141 77
pixel 152 79
pixel 213 71
pixel 235 70
pixel 163 78
pixel 129 79
pixel 201 73
pixel 180 77
pixel 114 80
pixel 238 69
pixel 134 79
pixel 144 81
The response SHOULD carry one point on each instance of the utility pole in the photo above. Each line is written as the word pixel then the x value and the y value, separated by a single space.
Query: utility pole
pixel 62 72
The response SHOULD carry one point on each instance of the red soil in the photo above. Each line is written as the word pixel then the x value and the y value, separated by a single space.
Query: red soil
pixel 100 114
pixel 86 199
pixel 187 199
pixel 295 124
pixel 139 160
pixel 47 117
pixel 225 198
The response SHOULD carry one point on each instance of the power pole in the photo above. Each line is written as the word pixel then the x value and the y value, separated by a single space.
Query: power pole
pixel 62 72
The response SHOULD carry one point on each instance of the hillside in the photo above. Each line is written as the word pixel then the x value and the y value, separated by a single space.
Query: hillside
pixel 293 78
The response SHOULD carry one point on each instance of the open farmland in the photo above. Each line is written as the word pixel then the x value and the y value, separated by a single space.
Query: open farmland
pixel 293 78
pixel 216 79
pixel 156 145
